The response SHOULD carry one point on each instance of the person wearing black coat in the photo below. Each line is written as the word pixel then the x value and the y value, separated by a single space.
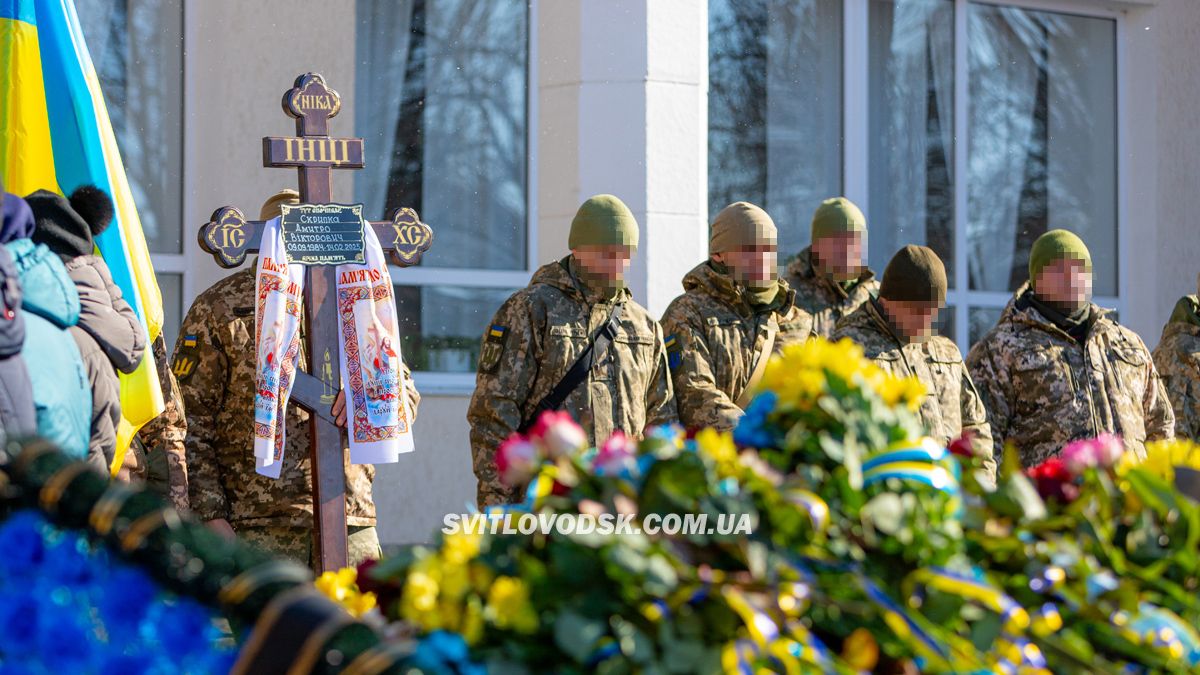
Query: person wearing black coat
pixel 109 335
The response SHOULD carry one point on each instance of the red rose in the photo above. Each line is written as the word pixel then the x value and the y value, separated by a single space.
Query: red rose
pixel 1054 480
pixel 961 446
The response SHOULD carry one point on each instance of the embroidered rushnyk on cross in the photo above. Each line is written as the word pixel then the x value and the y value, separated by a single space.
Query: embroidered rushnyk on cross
pixel 333 264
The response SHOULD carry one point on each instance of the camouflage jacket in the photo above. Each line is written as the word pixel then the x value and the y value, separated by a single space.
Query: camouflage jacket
pixel 952 404
pixel 214 364
pixel 165 435
pixel 714 339
pixel 1177 358
pixel 1043 389
pixel 824 300
pixel 530 344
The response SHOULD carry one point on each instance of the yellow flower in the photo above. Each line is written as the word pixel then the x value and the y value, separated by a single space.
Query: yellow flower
pixel 1162 457
pixel 450 613
pixel 481 577
pixel 895 390
pixel 342 587
pixel 419 600
pixel 472 623
pixel 508 605
pixel 337 585
pixel 845 360
pixel 455 579
pixel 719 448
pixel 361 603
pixel 799 374
pixel 460 546
pixel 860 650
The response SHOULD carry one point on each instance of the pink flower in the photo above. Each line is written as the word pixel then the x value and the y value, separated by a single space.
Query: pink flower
pixel 616 454
pixel 1109 449
pixel 517 459
pixel 558 434
pixel 1079 456
pixel 1098 453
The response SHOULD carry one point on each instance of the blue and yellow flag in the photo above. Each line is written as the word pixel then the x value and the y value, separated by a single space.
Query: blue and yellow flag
pixel 55 135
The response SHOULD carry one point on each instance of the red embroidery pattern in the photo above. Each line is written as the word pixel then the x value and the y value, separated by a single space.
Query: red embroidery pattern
pixel 267 284
pixel 364 432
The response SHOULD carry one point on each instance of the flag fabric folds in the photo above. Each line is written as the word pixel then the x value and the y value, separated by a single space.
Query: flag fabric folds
pixel 55 134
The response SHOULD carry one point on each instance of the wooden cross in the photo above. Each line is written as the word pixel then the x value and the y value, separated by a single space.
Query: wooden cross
pixel 229 237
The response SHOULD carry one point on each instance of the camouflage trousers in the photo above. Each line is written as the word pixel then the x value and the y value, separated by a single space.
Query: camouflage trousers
pixel 298 543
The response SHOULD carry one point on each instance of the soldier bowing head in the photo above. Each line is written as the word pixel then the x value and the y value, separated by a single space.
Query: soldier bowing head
pixel 913 291
pixel 744 242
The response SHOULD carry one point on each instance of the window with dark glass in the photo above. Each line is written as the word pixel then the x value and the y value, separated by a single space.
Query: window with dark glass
pixel 441 101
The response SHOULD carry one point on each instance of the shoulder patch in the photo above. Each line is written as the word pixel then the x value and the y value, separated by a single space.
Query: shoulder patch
pixel 183 366
pixel 492 349
pixel 674 352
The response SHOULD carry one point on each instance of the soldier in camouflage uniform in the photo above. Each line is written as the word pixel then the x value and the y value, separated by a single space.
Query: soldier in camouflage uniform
pixel 214 363
pixel 539 332
pixel 157 454
pixel 896 332
pixel 1177 358
pixel 733 305
pixel 1056 368
pixel 829 277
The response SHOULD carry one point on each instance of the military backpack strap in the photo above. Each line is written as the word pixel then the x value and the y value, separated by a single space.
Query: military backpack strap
pixel 760 365
pixel 578 371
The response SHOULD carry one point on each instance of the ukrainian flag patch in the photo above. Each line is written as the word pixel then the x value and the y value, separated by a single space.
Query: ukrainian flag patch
pixel 493 348
pixel 674 352
pixel 186 358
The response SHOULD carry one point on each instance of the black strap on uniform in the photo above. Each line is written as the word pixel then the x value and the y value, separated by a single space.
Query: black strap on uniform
pixel 578 371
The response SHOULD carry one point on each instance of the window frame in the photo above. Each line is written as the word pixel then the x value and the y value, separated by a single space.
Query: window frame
pixel 439 383
pixel 177 264
pixel 855 143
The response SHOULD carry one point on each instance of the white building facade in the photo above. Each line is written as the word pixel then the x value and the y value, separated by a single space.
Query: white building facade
pixel 967 126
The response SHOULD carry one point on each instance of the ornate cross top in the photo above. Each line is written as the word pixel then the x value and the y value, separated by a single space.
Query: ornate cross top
pixel 229 237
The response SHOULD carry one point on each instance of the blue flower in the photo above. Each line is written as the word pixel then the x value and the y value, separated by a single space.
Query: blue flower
pixel 67 562
pixel 117 663
pixel 182 628
pixel 126 596
pixel 16 668
pixel 441 652
pixel 752 430
pixel 66 607
pixel 65 645
pixel 18 623
pixel 22 541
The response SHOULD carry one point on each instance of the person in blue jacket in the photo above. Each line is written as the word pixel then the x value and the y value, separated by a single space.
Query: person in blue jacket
pixel 17 418
pixel 49 305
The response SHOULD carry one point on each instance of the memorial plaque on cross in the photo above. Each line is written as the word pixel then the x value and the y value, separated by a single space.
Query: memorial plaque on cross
pixel 229 237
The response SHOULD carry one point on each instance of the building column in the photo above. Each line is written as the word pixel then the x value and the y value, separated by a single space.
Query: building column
pixel 622 90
